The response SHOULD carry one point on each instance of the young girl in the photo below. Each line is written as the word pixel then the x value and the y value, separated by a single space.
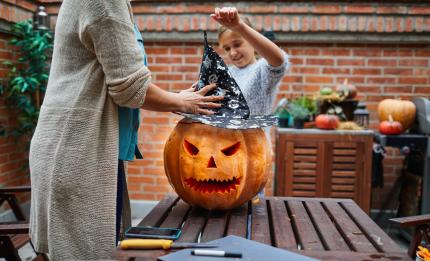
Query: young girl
pixel 258 79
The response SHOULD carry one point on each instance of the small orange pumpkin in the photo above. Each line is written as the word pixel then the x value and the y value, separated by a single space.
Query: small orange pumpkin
pixel 326 121
pixel 216 168
pixel 390 127
pixel 402 111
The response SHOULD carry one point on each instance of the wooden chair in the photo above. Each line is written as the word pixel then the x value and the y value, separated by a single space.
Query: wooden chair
pixel 422 230
pixel 14 235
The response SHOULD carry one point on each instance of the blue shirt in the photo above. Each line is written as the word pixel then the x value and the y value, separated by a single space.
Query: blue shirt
pixel 129 119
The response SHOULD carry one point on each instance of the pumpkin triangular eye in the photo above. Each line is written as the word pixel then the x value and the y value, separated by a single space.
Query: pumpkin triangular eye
pixel 231 150
pixel 190 148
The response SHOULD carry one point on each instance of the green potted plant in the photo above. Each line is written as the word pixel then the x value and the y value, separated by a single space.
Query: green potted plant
pixel 25 84
pixel 282 113
pixel 299 114
pixel 309 103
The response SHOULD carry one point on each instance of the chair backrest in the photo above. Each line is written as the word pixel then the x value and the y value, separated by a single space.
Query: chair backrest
pixel 422 230
pixel 13 235
pixel 8 194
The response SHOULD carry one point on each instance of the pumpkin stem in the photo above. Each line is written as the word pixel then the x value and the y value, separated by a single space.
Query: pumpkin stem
pixel 390 118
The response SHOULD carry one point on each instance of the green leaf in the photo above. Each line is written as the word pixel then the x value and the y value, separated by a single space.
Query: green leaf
pixel 8 63
pixel 27 75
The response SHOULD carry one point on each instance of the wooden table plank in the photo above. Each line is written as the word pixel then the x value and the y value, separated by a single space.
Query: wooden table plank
pixel 238 221
pixel 160 211
pixel 215 226
pixel 412 220
pixel 25 188
pixel 260 229
pixel 353 256
pixel 14 228
pixel 284 236
pixel 312 199
pixel 307 235
pixel 380 239
pixel 193 225
pixel 353 235
pixel 177 215
pixel 330 237
pixel 129 255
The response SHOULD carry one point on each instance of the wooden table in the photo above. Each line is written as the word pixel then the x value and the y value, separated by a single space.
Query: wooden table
pixel 324 228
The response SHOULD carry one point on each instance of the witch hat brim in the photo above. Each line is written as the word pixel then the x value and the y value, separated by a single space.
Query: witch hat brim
pixel 229 122
pixel 234 112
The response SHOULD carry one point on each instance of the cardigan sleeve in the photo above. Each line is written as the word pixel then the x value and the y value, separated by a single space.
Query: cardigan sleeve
pixel 113 43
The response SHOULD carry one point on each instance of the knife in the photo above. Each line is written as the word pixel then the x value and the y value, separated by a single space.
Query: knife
pixel 158 243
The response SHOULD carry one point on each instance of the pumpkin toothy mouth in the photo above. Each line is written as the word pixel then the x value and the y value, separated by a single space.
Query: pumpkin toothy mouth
pixel 212 185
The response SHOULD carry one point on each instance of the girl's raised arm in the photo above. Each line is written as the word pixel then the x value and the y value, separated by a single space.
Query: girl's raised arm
pixel 229 17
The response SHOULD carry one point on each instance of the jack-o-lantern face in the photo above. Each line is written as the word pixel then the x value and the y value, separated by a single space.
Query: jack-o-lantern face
pixel 216 168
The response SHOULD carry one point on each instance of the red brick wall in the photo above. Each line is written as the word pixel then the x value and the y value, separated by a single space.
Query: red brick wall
pixel 13 153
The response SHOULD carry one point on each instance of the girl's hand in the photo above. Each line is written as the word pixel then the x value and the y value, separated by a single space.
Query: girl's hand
pixel 196 102
pixel 228 17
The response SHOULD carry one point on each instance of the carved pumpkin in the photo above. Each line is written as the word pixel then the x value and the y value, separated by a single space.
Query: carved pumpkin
pixel 402 111
pixel 216 168
pixel 390 127
pixel 326 121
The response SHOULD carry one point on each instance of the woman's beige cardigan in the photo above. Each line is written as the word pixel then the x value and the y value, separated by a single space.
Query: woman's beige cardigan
pixel 96 66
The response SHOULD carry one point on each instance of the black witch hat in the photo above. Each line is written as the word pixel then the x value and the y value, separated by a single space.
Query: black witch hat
pixel 234 112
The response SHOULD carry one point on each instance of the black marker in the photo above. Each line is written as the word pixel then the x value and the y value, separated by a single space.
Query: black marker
pixel 201 252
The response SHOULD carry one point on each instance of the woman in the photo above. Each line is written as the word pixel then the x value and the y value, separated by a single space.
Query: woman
pixel 96 67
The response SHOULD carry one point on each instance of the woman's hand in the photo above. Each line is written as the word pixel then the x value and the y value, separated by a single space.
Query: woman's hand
pixel 228 17
pixel 193 88
pixel 195 102
pixel 188 101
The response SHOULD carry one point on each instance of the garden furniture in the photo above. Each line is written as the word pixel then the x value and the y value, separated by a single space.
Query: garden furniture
pixel 421 225
pixel 324 163
pixel 14 235
pixel 323 228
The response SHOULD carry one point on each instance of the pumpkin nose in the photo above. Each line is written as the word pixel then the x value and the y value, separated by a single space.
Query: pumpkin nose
pixel 211 163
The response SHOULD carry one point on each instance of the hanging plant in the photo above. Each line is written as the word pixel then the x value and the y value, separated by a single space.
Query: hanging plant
pixel 25 84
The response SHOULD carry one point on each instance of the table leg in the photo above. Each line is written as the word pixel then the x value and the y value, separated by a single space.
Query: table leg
pixel 7 249
pixel 425 199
